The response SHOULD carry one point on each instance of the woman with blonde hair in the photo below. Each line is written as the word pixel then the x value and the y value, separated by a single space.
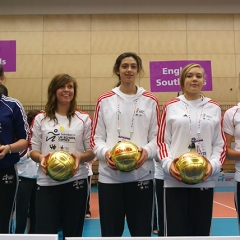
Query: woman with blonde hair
pixel 190 118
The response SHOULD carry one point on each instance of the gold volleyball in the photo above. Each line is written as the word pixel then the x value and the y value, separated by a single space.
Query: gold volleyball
pixel 60 165
pixel 192 167
pixel 125 155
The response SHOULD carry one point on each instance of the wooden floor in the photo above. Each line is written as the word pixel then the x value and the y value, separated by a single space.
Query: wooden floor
pixel 224 206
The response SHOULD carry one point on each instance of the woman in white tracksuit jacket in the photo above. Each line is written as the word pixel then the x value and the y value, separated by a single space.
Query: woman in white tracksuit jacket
pixel 127 113
pixel 231 128
pixel 188 208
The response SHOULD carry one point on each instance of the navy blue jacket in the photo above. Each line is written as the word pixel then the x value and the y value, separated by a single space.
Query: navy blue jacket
pixel 13 126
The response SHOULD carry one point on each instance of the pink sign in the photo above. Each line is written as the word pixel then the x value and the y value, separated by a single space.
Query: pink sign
pixel 8 55
pixel 164 75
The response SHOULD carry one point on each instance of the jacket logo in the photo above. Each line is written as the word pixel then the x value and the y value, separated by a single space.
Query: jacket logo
pixel 8 179
pixel 139 112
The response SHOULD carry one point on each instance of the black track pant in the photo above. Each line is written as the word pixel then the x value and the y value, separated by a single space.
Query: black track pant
pixel 61 207
pixel 132 200
pixel 8 189
pixel 159 203
pixel 188 211
pixel 25 204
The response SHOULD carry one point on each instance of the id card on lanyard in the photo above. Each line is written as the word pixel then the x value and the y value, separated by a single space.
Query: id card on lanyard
pixel 200 148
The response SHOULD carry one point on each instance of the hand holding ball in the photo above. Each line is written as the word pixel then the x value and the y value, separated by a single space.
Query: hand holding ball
pixel 125 155
pixel 192 167
pixel 60 165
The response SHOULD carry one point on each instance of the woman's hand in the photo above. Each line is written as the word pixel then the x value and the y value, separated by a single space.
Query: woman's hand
pixel 77 159
pixel 109 160
pixel 208 172
pixel 174 172
pixel 43 162
pixel 4 149
pixel 142 159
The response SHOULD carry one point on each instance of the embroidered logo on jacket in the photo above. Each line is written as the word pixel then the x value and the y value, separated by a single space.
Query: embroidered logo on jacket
pixel 8 179
pixel 144 184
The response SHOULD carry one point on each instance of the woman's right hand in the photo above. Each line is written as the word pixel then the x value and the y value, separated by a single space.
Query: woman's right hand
pixel 43 162
pixel 109 160
pixel 174 172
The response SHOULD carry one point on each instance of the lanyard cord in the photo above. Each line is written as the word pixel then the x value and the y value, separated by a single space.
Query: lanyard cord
pixel 132 121
pixel 190 121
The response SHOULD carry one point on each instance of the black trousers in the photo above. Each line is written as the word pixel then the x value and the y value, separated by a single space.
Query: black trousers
pixel 160 205
pixel 89 196
pixel 237 201
pixel 132 200
pixel 26 205
pixel 188 211
pixel 8 189
pixel 62 206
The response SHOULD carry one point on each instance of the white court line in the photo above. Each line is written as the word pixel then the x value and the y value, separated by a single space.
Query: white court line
pixel 224 205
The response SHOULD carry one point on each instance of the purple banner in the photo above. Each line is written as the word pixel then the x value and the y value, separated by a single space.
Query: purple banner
pixel 8 55
pixel 164 75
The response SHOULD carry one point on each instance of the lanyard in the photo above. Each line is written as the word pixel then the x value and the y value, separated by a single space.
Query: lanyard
pixel 190 121
pixel 132 121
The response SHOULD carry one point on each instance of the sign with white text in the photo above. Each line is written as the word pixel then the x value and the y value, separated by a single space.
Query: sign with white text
pixel 8 55
pixel 164 75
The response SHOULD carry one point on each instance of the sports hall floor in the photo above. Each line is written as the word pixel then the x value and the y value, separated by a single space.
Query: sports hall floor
pixel 224 215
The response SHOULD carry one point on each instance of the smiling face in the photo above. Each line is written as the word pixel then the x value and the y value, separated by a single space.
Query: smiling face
pixel 65 93
pixel 128 70
pixel 192 81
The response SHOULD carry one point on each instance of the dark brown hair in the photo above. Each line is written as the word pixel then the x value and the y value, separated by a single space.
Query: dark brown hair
pixel 31 115
pixel 3 90
pixel 1 71
pixel 119 60
pixel 58 81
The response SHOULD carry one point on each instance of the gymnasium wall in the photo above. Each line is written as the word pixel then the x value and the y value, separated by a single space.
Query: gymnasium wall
pixel 86 45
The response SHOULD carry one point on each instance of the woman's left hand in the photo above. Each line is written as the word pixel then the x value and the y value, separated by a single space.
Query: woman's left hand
pixel 174 172
pixel 142 159
pixel 77 159
pixel 208 172
pixel 4 149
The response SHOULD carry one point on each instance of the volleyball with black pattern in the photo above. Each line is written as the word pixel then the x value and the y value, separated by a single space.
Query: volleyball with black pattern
pixel 60 165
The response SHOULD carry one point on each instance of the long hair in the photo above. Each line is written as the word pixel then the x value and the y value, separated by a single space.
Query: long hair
pixel 185 71
pixel 119 60
pixel 3 90
pixel 2 74
pixel 31 115
pixel 1 71
pixel 58 81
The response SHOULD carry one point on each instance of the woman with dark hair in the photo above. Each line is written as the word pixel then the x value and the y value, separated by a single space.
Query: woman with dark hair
pixel 61 127
pixel 3 90
pixel 127 113
pixel 2 77
pixel 14 134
